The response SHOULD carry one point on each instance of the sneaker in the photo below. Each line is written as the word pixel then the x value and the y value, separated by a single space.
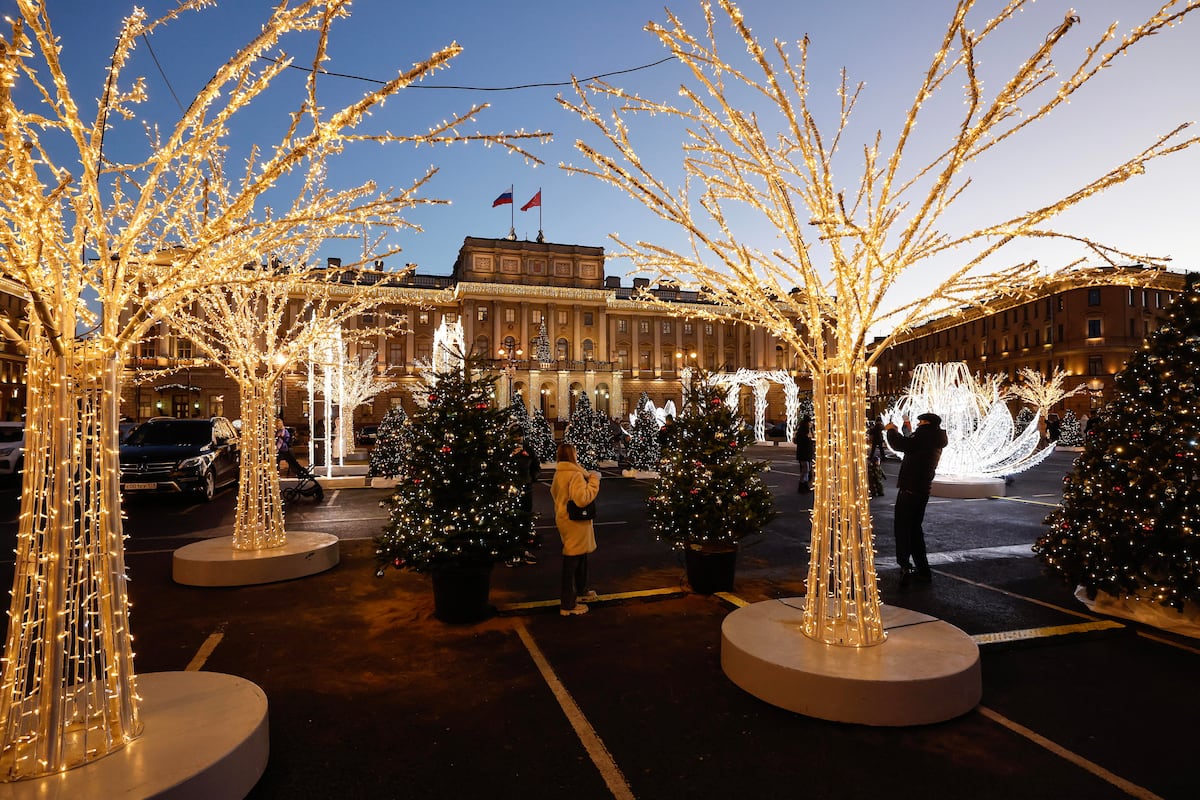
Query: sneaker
pixel 923 576
pixel 905 576
pixel 529 558
pixel 589 596
pixel 570 612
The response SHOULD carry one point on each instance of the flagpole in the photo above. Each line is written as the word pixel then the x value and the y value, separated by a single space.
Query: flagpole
pixel 512 213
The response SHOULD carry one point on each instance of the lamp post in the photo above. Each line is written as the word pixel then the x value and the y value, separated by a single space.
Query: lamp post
pixel 511 357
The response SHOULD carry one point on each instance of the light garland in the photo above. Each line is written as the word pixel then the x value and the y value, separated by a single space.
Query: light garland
pixel 824 285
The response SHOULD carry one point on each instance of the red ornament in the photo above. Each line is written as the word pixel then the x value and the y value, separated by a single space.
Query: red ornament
pixel 432 397
pixel 445 448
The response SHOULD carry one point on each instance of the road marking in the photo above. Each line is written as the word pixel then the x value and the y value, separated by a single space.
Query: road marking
pixel 206 649
pixel 1044 632
pixel 333 498
pixel 1029 502
pixel 1070 611
pixel 532 604
pixel 733 599
pixel 1130 788
pixel 600 756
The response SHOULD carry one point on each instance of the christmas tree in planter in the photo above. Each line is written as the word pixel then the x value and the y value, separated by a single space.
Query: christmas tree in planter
pixel 391 442
pixel 643 439
pixel 456 510
pixel 1070 433
pixel 708 495
pixel 581 432
pixel 1127 532
pixel 540 437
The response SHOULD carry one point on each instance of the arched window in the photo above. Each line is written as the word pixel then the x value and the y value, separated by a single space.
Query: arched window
pixel 510 345
pixel 589 352
pixel 563 349
pixel 483 346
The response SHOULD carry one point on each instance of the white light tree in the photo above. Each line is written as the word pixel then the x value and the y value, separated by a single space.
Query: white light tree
pixel 1042 393
pixel 843 252
pixel 354 381
pixel 103 248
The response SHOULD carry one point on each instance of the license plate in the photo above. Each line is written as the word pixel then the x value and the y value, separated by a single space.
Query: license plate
pixel 141 486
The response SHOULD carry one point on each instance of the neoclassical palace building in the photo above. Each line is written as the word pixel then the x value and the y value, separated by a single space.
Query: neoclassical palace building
pixel 601 340
pixel 1086 331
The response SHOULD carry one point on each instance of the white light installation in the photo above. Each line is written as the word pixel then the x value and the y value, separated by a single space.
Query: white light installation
pixel 983 439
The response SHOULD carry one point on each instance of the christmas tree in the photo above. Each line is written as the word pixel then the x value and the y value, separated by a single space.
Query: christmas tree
pixel 540 437
pixel 1128 521
pixel 541 345
pixel 643 439
pixel 708 494
pixel 458 502
pixel 581 432
pixel 1070 434
pixel 393 439
pixel 1024 417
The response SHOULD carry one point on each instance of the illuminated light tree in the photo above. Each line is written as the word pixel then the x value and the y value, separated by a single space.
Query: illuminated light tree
pixel 541 345
pixel 643 438
pixel 393 439
pixel 353 380
pixel 840 255
pixel 1041 392
pixel 541 437
pixel 1129 523
pixel 983 441
pixel 1071 433
pixel 582 432
pixel 103 248
pixel 255 333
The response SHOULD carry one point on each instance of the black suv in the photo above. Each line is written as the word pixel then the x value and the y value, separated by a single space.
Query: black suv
pixel 167 454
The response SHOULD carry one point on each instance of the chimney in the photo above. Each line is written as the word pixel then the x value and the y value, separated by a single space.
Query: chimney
pixel 333 263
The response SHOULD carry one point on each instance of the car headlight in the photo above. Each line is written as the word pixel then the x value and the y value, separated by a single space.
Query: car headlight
pixel 196 462
pixel 4 451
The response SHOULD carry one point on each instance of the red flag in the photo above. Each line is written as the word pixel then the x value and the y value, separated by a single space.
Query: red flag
pixel 536 200
pixel 503 199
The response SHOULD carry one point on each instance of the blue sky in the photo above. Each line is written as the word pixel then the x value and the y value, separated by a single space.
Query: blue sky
pixel 884 43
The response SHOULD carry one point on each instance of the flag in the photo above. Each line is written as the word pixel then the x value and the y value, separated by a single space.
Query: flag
pixel 536 200
pixel 504 199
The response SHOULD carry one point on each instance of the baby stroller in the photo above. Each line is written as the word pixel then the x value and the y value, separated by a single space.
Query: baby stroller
pixel 306 486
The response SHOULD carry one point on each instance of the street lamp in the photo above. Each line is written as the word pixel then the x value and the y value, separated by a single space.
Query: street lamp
pixel 511 356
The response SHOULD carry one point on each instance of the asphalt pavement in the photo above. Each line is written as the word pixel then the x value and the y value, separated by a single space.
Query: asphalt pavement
pixel 371 697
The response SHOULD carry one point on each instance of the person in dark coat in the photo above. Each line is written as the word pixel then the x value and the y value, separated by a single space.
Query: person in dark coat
pixel 806 451
pixel 922 451
pixel 529 469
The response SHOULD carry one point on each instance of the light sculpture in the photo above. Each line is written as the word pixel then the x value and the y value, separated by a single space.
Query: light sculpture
pixel 983 441
pixel 827 282
pixel 102 248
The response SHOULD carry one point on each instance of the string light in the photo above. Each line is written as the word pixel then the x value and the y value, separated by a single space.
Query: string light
pixel 837 256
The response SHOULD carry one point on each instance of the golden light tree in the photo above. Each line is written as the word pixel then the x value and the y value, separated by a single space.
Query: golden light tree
pixel 103 248
pixel 1042 393
pixel 839 256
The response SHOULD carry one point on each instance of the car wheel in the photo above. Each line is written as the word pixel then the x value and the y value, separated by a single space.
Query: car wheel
pixel 208 487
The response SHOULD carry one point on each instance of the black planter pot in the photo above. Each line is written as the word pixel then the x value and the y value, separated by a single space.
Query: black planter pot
pixel 460 594
pixel 711 571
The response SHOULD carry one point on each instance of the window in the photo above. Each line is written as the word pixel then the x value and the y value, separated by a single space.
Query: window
pixel 1060 303
pixel 424 351
pixel 687 329
pixel 708 329
pixel 1158 299
pixel 510 346
pixel 589 351
pixel 481 313
pixel 668 362
pixel 622 358
pixel 423 318
pixel 562 318
pixel 644 326
pixel 562 347
pixel 148 348
pixel 644 359
pixel 1093 329
pixel 1060 333
pixel 535 316
pixel 1094 297
pixel 589 319
pixel 666 326
pixel 622 326
pixel 710 360
pixel 450 317
pixel 510 315
pixel 395 354
pixel 1095 365
pixel 1132 298
pixel 183 347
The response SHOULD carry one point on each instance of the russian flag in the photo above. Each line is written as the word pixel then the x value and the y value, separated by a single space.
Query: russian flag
pixel 504 199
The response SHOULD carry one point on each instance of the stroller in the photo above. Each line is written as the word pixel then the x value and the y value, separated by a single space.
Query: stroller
pixel 307 486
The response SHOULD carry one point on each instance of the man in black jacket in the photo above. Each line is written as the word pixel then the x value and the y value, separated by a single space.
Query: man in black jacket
pixel 921 452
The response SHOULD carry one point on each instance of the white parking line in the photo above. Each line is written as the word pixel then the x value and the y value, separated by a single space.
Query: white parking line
pixel 603 760
pixel 206 649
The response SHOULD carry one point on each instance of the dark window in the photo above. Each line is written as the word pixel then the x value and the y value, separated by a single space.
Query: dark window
pixel 1094 329
pixel 1094 297
pixel 588 319
pixel 1095 365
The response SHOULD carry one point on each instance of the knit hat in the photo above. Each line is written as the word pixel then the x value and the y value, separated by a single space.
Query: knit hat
pixel 932 419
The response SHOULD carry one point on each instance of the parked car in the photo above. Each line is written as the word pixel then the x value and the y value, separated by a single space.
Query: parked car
pixel 367 435
pixel 167 454
pixel 12 447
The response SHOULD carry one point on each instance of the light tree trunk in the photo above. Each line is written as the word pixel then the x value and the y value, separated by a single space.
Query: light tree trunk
pixel 259 521
pixel 68 693
pixel 842 602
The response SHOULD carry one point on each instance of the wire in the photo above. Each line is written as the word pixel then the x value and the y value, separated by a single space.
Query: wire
pixel 162 72
pixel 480 88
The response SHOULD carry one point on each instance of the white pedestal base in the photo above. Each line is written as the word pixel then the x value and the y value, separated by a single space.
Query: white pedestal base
pixel 204 738
pixel 927 670
pixel 214 562
pixel 968 488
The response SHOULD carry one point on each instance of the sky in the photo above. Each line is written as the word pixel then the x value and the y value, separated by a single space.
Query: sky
pixel 883 43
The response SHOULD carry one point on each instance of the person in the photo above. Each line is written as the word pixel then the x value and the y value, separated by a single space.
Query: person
pixel 1053 427
pixel 572 482
pixel 283 448
pixel 528 469
pixel 921 451
pixel 667 432
pixel 875 440
pixel 806 451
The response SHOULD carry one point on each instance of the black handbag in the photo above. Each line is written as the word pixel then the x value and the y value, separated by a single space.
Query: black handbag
pixel 581 513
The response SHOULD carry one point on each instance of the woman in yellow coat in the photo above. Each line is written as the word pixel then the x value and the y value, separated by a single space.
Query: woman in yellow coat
pixel 573 482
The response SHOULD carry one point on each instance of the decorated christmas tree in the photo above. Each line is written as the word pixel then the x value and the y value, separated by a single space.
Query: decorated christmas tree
pixel 541 345
pixel 581 432
pixel 708 494
pixel 393 439
pixel 643 439
pixel 1070 433
pixel 1128 524
pixel 540 436
pixel 458 502
pixel 1024 417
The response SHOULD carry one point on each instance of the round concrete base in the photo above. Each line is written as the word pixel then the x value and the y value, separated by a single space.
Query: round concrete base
pixel 214 562
pixel 927 670
pixel 967 487
pixel 204 737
